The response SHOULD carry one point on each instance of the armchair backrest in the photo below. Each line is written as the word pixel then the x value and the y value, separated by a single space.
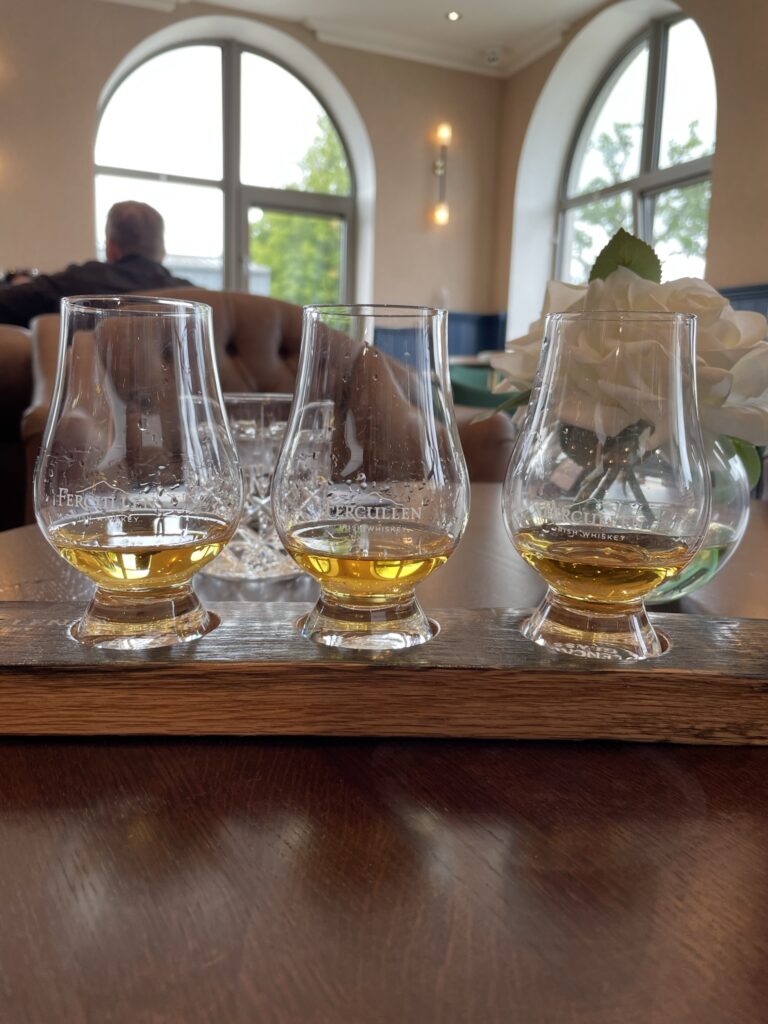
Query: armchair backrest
pixel 256 338
pixel 15 377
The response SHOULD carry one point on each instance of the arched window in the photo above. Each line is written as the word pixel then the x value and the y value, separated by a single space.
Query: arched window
pixel 642 155
pixel 245 164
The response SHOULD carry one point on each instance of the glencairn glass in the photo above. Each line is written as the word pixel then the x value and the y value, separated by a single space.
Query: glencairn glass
pixel 138 484
pixel 385 501
pixel 607 494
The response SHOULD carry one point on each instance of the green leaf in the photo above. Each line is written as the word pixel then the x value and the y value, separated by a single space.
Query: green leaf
pixel 513 402
pixel 625 250
pixel 750 458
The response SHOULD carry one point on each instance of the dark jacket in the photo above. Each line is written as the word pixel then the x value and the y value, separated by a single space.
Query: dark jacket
pixel 20 303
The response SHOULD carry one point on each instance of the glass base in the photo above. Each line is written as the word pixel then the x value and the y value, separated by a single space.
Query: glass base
pixel 131 622
pixel 603 632
pixel 367 628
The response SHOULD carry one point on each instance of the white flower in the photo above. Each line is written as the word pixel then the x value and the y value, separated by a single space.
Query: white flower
pixel 731 351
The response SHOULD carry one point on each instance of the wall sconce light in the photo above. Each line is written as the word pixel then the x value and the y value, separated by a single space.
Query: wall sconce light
pixel 440 212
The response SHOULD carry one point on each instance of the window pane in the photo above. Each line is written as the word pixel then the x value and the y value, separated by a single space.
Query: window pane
pixel 295 256
pixel 680 220
pixel 194 244
pixel 588 228
pixel 690 98
pixel 166 116
pixel 608 150
pixel 286 138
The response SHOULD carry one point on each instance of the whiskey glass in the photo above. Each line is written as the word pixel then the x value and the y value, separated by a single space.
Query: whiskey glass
pixel 137 484
pixel 386 501
pixel 258 423
pixel 607 494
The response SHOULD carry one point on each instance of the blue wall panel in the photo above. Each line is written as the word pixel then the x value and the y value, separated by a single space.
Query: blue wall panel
pixel 469 333
pixel 753 296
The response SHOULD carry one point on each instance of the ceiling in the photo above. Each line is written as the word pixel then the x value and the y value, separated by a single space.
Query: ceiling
pixel 494 37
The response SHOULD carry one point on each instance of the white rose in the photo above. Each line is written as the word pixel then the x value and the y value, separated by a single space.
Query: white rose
pixel 731 351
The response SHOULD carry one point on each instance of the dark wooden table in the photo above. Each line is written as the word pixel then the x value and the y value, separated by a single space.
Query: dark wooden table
pixel 260 881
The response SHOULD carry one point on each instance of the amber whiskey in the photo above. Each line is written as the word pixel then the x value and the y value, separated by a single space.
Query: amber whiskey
pixel 141 551
pixel 600 564
pixel 382 561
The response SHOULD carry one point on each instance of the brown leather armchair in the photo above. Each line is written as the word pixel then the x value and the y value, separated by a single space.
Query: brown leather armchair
pixel 257 341
pixel 15 390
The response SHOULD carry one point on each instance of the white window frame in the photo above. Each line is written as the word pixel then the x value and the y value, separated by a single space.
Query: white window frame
pixel 651 179
pixel 241 34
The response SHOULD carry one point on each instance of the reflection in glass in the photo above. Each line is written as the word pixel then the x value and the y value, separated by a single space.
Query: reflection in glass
pixel 273 100
pixel 608 150
pixel 295 257
pixel 690 97
pixel 588 228
pixel 194 245
pixel 166 117
pixel 680 228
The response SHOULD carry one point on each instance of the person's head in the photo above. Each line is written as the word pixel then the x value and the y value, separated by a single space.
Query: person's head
pixel 134 229
pixel 19 276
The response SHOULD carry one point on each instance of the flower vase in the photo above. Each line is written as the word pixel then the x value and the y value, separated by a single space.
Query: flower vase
pixel 730 513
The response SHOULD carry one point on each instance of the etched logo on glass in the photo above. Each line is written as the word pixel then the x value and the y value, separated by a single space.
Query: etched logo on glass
pixel 389 513
pixel 91 499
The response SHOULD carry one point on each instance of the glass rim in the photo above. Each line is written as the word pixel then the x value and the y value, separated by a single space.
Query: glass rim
pixel 636 315
pixel 102 304
pixel 381 310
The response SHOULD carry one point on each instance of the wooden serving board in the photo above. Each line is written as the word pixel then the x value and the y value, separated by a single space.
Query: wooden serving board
pixel 478 678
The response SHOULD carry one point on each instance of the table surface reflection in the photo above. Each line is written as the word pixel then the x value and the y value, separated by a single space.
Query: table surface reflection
pixel 375 882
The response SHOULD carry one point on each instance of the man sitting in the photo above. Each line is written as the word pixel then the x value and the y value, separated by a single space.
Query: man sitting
pixel 135 251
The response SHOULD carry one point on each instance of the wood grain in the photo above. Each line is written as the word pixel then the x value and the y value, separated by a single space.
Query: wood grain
pixel 479 677
pixel 382 882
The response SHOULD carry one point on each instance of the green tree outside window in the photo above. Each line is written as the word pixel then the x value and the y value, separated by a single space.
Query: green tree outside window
pixel 681 214
pixel 303 251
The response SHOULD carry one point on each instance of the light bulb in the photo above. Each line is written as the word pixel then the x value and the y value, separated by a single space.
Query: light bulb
pixel 441 214
pixel 444 133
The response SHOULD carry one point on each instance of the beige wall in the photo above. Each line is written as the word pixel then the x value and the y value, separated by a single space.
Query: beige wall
pixel 520 94
pixel 401 102
pixel 55 58
pixel 737 250
pixel 736 33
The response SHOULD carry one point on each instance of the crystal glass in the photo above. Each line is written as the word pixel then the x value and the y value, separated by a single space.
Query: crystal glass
pixel 607 494
pixel 386 502
pixel 138 484
pixel 727 524
pixel 258 423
